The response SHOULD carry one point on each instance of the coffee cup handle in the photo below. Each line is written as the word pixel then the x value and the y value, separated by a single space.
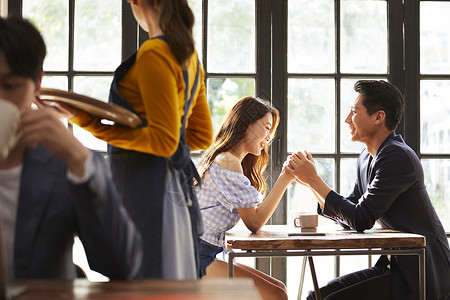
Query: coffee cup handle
pixel 297 222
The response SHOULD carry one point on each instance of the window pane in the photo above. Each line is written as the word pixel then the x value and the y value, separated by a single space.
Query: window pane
pixel 311 115
pixel 51 18
pixel 353 263
pixel 93 86
pixel 434 37
pixel 363 36
pixel 98 32
pixel 347 176
pixel 437 180
pixel 434 116
pixel 348 97
pixel 196 6
pixel 324 266
pixel 223 93
pixel 231 36
pixel 55 82
pixel 311 38
pixel 96 87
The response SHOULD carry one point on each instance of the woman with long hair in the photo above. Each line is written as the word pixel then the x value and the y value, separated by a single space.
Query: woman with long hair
pixel 233 186
pixel 163 83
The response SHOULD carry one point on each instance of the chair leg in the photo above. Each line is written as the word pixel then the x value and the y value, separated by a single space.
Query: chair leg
pixel 302 279
pixel 314 277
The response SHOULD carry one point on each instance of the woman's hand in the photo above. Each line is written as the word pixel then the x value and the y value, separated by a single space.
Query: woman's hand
pixel 290 177
pixel 302 166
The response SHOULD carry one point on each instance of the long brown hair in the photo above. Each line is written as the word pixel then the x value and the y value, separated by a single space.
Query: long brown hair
pixel 245 112
pixel 176 21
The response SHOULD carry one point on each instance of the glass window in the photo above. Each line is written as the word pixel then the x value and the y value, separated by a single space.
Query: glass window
pixel 434 37
pixel 231 36
pixel 311 38
pixel 52 19
pixel 97 35
pixel 223 93
pixel 438 186
pixel 434 115
pixel 311 115
pixel 363 35
pixel 347 175
pixel 196 7
pixel 324 266
pixel 55 82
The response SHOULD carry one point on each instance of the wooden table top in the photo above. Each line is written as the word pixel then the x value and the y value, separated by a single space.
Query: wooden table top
pixel 221 289
pixel 272 237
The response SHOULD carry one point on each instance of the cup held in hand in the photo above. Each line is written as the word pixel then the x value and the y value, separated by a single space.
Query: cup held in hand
pixel 9 118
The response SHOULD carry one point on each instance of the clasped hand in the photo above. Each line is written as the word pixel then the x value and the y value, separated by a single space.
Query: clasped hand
pixel 302 166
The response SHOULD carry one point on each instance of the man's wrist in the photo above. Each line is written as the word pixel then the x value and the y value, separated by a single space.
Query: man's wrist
pixel 77 164
pixel 88 169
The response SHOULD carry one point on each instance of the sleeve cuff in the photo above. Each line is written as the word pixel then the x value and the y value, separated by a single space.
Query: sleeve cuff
pixel 88 172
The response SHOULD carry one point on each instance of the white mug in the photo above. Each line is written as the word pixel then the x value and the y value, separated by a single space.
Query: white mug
pixel 306 220
pixel 9 118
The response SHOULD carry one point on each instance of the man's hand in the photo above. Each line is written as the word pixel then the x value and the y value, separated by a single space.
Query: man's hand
pixel 303 167
pixel 43 126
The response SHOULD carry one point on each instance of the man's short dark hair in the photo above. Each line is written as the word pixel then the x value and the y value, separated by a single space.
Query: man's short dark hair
pixel 382 95
pixel 23 47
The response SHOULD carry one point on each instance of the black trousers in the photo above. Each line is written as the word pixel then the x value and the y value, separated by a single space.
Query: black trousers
pixel 372 283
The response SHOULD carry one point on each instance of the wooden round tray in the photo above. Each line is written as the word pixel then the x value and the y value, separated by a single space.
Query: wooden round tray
pixel 93 106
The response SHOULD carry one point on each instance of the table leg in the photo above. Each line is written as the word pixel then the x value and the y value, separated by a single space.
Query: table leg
pixel 313 273
pixel 302 279
pixel 422 275
pixel 230 265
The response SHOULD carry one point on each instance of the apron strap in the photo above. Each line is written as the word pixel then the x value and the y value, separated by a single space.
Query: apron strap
pixel 181 158
pixel 114 94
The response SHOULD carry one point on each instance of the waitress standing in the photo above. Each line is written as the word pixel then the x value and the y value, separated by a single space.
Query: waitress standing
pixel 163 83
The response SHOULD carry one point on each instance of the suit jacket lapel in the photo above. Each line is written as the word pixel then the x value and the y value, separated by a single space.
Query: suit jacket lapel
pixel 37 180
pixel 370 173
pixel 363 173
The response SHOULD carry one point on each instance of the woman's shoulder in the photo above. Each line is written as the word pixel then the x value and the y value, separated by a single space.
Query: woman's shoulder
pixel 154 44
pixel 155 49
pixel 229 161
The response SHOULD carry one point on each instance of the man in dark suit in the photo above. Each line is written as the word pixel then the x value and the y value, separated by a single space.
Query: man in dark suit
pixel 52 187
pixel 390 189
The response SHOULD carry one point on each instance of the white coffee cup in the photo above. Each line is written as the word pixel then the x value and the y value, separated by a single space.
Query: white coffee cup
pixel 306 221
pixel 9 118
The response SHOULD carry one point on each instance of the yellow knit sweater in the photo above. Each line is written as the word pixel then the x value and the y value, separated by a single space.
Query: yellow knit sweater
pixel 154 86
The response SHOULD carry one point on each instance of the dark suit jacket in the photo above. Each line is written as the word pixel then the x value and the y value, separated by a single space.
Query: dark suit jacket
pixel 390 187
pixel 51 210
